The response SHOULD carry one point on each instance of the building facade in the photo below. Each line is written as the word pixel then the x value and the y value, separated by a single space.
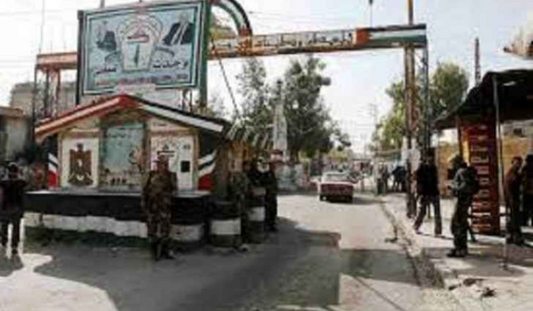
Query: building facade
pixel 14 133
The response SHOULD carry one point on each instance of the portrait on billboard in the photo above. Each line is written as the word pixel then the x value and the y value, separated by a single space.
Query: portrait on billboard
pixel 150 44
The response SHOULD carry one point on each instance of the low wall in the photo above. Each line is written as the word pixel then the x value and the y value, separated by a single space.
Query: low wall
pixel 113 213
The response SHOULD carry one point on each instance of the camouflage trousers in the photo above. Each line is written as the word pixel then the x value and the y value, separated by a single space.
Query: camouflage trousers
pixel 459 226
pixel 271 206
pixel 158 225
pixel 245 221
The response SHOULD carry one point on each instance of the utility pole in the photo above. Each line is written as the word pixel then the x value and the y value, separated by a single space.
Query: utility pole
pixel 371 4
pixel 410 97
pixel 478 62
pixel 373 109
pixel 428 111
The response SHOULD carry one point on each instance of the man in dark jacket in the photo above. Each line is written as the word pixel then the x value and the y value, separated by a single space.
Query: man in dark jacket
pixel 527 190
pixel 427 181
pixel 11 209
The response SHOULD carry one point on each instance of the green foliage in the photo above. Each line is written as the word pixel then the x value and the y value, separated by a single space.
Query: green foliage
pixel 256 111
pixel 310 127
pixel 449 85
pixel 448 88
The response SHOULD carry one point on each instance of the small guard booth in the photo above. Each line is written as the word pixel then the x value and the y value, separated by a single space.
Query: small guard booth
pixel 104 148
pixel 501 97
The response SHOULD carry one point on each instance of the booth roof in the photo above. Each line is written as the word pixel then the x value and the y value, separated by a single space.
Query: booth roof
pixel 515 97
pixel 106 105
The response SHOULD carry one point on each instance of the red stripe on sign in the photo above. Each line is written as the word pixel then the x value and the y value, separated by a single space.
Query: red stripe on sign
pixel 53 180
pixel 205 183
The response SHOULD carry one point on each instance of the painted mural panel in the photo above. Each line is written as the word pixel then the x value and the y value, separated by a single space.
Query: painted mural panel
pixel 180 151
pixel 79 163
pixel 122 159
pixel 150 44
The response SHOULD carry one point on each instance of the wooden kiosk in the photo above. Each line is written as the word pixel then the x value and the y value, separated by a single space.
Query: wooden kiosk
pixel 501 97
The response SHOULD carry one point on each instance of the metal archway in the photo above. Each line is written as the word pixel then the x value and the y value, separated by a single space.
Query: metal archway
pixel 238 15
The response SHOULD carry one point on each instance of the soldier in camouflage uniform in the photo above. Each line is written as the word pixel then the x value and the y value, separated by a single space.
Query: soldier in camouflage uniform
pixel 157 198
pixel 239 191
pixel 271 198
pixel 513 181
pixel 459 226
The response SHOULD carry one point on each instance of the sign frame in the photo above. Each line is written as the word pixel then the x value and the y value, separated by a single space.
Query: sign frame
pixel 136 10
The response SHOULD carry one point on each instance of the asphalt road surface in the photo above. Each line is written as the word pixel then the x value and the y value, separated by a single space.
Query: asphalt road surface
pixel 326 257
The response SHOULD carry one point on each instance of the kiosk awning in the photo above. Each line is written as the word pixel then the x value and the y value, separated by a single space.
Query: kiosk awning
pixel 515 96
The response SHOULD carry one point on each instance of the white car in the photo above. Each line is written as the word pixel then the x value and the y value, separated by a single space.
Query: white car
pixel 335 185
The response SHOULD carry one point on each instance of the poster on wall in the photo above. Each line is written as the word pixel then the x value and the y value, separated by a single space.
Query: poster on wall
pixel 179 151
pixel 122 157
pixel 156 44
pixel 80 163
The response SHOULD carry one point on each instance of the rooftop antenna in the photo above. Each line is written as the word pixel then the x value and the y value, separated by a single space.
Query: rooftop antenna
pixel 371 4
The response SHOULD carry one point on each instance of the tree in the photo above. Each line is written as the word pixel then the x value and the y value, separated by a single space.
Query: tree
pixel 256 111
pixel 216 107
pixel 309 124
pixel 447 89
pixel 310 128
pixel 449 85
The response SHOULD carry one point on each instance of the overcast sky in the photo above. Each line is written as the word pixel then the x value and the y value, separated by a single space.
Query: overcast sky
pixel 359 78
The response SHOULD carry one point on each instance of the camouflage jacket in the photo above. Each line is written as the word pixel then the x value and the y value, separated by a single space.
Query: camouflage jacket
pixel 158 190
pixel 240 186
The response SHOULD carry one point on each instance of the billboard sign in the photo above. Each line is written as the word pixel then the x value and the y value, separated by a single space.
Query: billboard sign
pixel 143 44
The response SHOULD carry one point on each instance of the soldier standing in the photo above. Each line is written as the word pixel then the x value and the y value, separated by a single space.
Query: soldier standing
pixel 271 198
pixel 11 209
pixel 157 198
pixel 463 190
pixel 239 192
pixel 513 179
pixel 254 175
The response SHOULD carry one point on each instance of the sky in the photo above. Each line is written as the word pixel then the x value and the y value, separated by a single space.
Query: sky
pixel 359 79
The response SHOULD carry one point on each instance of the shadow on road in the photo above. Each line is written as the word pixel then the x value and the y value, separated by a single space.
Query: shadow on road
pixel 9 265
pixel 293 267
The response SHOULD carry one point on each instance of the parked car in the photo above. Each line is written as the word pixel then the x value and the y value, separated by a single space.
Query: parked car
pixel 335 186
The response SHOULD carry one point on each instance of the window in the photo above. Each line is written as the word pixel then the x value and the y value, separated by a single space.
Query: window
pixel 185 167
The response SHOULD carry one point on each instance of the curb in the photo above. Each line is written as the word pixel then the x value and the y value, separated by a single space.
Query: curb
pixel 433 269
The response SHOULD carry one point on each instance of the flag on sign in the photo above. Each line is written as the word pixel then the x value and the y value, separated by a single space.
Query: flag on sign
pixel 53 163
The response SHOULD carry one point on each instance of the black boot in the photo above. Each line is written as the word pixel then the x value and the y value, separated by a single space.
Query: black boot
pixel 166 252
pixel 155 250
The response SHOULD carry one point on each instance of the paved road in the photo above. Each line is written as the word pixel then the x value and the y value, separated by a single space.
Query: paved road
pixel 326 257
